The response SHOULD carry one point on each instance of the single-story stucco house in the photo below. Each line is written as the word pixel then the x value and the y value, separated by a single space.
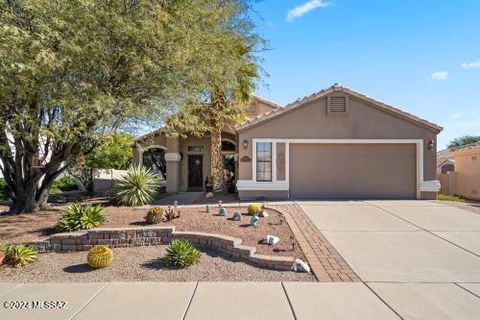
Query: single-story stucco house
pixel 459 171
pixel 334 144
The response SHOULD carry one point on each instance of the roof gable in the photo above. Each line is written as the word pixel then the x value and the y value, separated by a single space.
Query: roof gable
pixel 336 88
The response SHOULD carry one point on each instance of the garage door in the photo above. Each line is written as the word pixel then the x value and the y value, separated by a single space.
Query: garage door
pixel 353 171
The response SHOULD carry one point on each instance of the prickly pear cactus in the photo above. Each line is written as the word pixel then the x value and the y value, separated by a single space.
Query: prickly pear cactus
pixel 99 257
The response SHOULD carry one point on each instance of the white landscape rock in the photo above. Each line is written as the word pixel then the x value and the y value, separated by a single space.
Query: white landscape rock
pixel 209 195
pixel 300 266
pixel 271 240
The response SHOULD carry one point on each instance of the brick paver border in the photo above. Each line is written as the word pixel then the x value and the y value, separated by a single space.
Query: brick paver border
pixel 326 263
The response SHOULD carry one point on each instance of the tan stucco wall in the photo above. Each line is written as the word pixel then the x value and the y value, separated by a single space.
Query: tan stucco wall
pixel 467 171
pixel 364 121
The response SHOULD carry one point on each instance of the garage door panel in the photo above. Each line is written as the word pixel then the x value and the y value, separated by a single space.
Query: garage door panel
pixel 353 171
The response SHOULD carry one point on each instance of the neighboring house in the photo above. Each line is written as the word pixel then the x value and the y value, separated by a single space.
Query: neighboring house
pixel 464 178
pixel 336 143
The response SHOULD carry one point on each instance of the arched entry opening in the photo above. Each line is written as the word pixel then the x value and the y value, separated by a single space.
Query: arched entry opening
pixel 228 153
pixel 153 157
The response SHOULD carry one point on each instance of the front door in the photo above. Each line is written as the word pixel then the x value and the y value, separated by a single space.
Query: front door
pixel 195 171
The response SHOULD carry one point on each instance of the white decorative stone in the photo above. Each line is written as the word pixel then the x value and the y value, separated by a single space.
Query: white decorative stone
pixel 209 195
pixel 300 266
pixel 271 240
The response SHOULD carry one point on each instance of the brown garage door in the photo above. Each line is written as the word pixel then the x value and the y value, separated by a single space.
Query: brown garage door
pixel 353 171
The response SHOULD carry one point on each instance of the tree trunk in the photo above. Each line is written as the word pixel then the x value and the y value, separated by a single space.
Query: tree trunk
pixel 216 159
pixel 26 200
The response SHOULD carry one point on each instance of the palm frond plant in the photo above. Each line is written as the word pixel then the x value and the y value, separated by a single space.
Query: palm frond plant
pixel 137 187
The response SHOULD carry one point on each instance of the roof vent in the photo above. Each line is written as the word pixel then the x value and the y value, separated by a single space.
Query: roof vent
pixel 337 104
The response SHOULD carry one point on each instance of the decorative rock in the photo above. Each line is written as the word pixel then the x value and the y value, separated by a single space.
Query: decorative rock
pixel 209 195
pixel 254 221
pixel 264 213
pixel 271 240
pixel 222 212
pixel 300 266
pixel 237 216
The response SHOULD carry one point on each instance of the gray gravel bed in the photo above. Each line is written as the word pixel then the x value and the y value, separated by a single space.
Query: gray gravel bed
pixel 141 264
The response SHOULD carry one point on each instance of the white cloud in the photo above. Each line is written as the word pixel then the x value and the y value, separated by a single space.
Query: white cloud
pixel 471 65
pixel 440 75
pixel 302 9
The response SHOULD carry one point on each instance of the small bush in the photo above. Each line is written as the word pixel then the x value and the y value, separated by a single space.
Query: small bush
pixel 137 187
pixel 3 190
pixel 79 217
pixel 254 209
pixel 154 215
pixel 99 257
pixel 63 184
pixel 449 197
pixel 181 253
pixel 19 255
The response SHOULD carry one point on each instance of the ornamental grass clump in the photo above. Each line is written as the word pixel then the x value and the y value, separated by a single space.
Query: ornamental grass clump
pixel 99 257
pixel 254 209
pixel 137 187
pixel 181 253
pixel 19 255
pixel 154 215
pixel 80 217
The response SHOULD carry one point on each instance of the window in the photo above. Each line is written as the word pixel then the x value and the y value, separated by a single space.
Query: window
pixel 264 161
pixel 195 149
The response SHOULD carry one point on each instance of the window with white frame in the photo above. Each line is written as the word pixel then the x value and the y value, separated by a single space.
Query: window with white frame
pixel 264 161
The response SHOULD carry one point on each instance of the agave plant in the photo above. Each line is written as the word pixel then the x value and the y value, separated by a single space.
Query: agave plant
pixel 20 255
pixel 78 217
pixel 137 187
pixel 181 253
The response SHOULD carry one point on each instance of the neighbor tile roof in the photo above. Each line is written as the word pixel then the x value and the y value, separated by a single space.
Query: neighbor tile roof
pixel 335 88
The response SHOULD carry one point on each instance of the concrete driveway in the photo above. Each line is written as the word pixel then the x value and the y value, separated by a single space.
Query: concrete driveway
pixel 421 257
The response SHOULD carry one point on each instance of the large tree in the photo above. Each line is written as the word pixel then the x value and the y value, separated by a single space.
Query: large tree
pixel 463 140
pixel 230 86
pixel 71 70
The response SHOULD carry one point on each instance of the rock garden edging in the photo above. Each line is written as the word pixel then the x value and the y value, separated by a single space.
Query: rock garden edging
pixel 145 236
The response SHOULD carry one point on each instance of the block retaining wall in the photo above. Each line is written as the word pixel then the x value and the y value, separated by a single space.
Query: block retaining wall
pixel 146 236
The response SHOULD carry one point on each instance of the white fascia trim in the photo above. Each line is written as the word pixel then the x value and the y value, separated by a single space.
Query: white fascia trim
pixel 430 186
pixel 250 185
pixel 172 156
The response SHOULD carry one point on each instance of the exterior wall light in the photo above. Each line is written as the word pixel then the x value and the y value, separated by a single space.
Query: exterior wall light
pixel 431 143
pixel 245 144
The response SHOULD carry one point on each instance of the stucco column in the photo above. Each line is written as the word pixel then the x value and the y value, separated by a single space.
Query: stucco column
pixel 172 159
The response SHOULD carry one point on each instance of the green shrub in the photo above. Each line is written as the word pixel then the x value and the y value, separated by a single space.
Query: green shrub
pixel 137 187
pixel 254 209
pixel 78 217
pixel 19 255
pixel 3 190
pixel 99 257
pixel 181 253
pixel 154 215
pixel 449 197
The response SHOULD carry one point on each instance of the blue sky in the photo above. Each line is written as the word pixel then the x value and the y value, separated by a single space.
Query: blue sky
pixel 422 56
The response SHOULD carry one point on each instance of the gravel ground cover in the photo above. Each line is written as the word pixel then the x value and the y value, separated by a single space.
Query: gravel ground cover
pixel 32 227
pixel 141 264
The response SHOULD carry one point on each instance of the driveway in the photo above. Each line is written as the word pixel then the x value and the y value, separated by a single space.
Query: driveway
pixel 421 257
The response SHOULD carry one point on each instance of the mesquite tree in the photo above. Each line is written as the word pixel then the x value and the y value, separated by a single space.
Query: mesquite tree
pixel 71 70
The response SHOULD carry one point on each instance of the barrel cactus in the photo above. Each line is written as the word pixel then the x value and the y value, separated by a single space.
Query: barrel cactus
pixel 99 257
pixel 154 215
pixel 254 209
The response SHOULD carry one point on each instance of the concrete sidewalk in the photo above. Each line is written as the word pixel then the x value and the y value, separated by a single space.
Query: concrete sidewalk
pixel 243 300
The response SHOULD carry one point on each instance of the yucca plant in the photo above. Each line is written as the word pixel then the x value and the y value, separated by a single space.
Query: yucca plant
pixel 137 187
pixel 20 255
pixel 181 253
pixel 79 217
